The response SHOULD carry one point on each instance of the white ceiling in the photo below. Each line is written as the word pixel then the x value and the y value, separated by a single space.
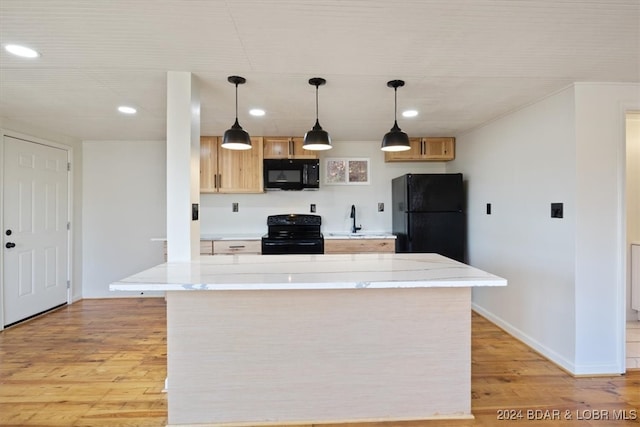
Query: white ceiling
pixel 465 62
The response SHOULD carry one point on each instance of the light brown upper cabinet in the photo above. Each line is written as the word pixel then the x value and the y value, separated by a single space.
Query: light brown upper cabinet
pixel 230 171
pixel 424 150
pixel 284 147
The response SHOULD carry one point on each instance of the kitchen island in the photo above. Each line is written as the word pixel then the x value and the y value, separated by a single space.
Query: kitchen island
pixel 302 339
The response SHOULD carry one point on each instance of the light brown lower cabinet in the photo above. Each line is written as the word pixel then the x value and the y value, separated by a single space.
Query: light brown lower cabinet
pixel 206 248
pixel 331 246
pixel 231 247
pixel 357 246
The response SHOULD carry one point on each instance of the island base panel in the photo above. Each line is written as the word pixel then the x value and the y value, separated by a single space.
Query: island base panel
pixel 278 357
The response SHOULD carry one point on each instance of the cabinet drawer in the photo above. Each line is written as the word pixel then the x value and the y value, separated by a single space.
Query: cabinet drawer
pixel 355 246
pixel 237 247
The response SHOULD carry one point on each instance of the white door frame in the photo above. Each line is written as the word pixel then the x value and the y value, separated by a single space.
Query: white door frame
pixel 69 150
pixel 623 254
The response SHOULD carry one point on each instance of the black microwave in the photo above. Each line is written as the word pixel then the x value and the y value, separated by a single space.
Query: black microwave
pixel 291 174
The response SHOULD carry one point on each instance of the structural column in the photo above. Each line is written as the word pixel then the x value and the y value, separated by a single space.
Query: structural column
pixel 183 166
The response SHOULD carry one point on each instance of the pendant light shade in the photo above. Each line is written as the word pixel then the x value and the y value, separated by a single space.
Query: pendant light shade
pixel 236 138
pixel 395 139
pixel 317 138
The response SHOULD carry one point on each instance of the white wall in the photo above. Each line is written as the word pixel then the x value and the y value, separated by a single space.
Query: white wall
pixel 566 276
pixel 333 202
pixel 520 164
pixel 124 204
pixel 600 227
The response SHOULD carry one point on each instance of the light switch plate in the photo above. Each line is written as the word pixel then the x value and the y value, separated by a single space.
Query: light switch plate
pixel 557 210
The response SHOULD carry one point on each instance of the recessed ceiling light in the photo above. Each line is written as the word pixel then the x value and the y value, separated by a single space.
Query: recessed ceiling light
pixel 256 112
pixel 127 110
pixel 21 51
pixel 409 113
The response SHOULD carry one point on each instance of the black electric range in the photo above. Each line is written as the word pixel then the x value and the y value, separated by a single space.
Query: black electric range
pixel 293 234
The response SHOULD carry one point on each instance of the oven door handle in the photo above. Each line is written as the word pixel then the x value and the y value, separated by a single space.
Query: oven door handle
pixel 289 243
pixel 274 243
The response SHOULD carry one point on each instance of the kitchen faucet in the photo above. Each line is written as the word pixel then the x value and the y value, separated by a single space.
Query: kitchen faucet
pixel 354 229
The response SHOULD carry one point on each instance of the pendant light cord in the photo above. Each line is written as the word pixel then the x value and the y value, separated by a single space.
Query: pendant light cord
pixel 236 101
pixel 395 105
pixel 316 103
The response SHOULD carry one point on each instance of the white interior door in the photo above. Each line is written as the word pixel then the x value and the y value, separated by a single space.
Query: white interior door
pixel 35 236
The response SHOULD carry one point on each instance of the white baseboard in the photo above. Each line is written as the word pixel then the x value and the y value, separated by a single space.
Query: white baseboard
pixel 122 294
pixel 562 362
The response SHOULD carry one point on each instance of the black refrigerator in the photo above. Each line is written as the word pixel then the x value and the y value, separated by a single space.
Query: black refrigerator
pixel 428 214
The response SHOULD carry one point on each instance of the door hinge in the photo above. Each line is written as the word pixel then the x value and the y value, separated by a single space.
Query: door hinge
pixel 68 284
pixel 68 226
pixel 68 166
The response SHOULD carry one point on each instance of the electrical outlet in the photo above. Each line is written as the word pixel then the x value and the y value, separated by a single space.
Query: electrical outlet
pixel 312 208
pixel 234 207
pixel 380 207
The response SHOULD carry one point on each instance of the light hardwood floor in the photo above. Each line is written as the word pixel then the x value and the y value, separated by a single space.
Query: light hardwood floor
pixel 102 363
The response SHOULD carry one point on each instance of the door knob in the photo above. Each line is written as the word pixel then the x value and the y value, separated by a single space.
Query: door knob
pixel 10 245
pixel 8 232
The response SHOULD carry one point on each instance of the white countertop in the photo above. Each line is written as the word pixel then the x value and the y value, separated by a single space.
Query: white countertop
pixel 287 272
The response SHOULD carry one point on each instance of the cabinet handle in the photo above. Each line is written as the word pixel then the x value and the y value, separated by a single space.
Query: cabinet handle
pixel 215 180
pixel 291 153
pixel 219 180
pixel 236 246
pixel 423 150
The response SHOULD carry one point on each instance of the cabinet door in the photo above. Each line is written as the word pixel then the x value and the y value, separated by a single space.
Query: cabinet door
pixel 299 152
pixel 411 155
pixel 206 247
pixel 276 147
pixel 439 148
pixel 359 246
pixel 240 171
pixel 208 164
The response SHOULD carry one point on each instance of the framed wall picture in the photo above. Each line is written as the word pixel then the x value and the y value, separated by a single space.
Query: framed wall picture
pixel 346 171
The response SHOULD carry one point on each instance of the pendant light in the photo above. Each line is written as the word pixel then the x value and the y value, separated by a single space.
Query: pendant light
pixel 236 138
pixel 395 139
pixel 317 138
